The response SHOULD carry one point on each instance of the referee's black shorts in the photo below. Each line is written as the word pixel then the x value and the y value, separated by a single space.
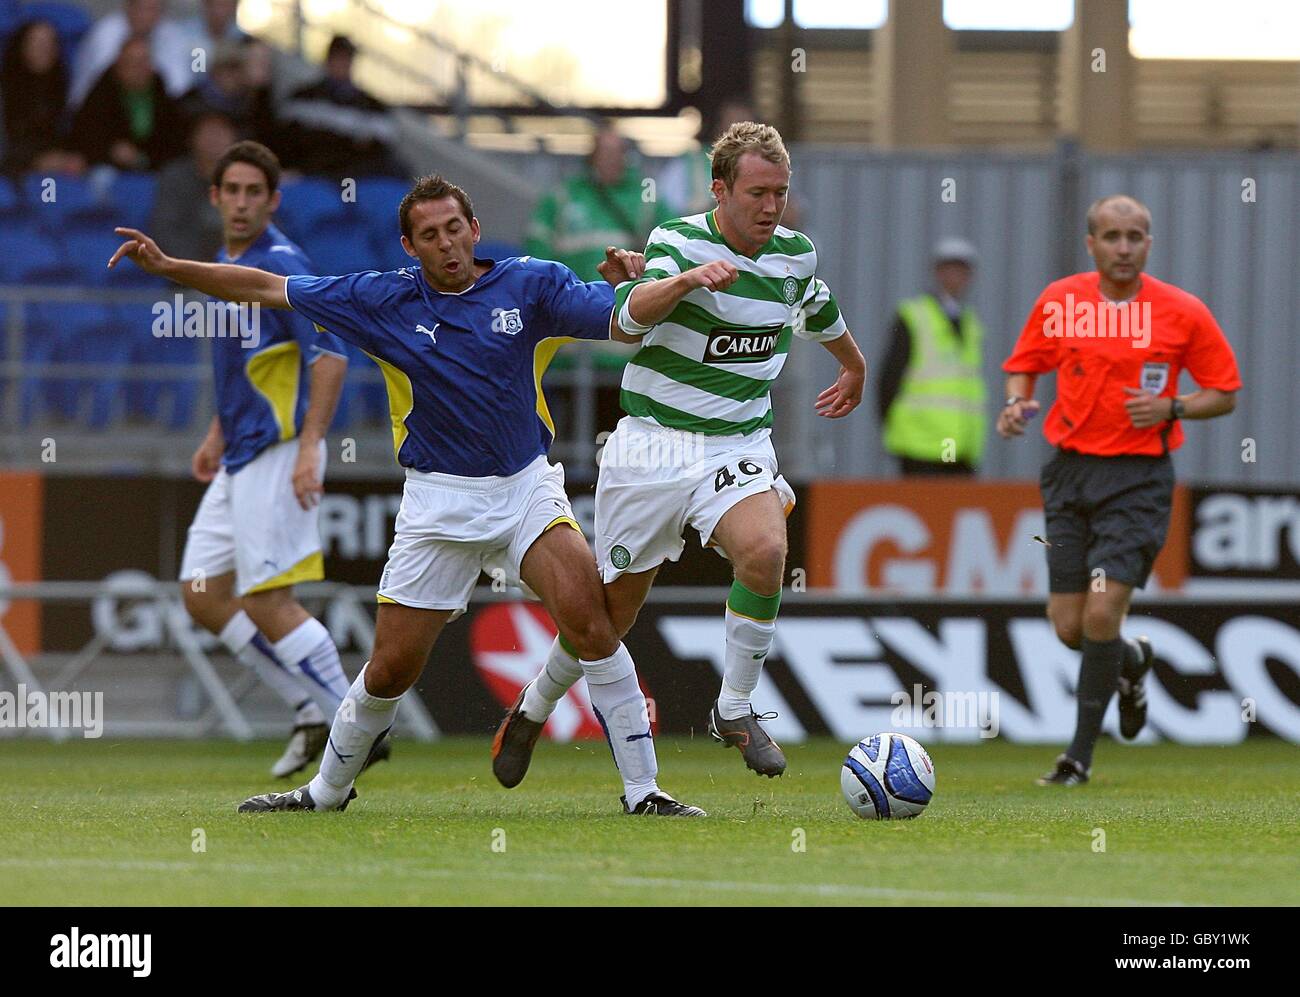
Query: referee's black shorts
pixel 1104 512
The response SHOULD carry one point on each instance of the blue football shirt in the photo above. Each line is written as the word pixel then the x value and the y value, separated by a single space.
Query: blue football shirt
pixel 262 366
pixel 463 371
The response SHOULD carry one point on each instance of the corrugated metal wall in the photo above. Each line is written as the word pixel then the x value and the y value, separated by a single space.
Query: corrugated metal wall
pixel 875 216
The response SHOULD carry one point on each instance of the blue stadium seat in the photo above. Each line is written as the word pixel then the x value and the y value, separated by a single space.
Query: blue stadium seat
pixel 386 251
pixel 10 205
pixel 497 249
pixel 166 401
pixel 88 248
pixel 10 17
pixel 70 23
pixel 310 203
pixel 56 202
pixel 133 196
pixel 59 332
pixel 38 258
pixel 126 276
pixel 5 381
pixel 90 338
pixel 337 251
pixel 40 344
pixel 382 195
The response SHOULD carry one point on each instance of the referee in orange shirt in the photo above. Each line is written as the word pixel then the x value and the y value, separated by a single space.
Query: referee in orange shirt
pixel 1117 339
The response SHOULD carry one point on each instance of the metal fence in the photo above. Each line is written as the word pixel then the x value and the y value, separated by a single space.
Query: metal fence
pixel 1225 228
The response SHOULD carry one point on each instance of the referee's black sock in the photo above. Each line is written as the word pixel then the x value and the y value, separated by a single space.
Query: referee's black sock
pixel 1132 658
pixel 1098 677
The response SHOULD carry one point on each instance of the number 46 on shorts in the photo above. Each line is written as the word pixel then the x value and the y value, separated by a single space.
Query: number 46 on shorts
pixel 747 469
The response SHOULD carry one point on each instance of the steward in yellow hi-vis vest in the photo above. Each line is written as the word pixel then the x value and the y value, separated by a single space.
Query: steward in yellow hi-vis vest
pixel 931 388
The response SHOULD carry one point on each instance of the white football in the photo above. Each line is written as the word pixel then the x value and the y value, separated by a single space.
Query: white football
pixel 886 777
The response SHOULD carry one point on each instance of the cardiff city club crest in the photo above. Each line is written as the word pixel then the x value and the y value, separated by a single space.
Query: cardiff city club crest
pixel 507 320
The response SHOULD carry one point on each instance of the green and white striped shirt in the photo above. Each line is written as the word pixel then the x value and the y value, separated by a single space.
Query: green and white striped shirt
pixel 708 366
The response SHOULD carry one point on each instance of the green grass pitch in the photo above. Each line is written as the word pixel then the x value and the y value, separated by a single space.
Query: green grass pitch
pixel 100 822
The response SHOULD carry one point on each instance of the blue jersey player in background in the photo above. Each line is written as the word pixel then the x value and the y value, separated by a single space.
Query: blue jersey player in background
pixel 462 343
pixel 256 534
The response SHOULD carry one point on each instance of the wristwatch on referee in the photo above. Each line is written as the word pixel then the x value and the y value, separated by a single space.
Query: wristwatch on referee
pixel 1011 401
pixel 1176 409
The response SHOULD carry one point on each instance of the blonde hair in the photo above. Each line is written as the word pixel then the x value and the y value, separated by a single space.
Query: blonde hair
pixel 743 137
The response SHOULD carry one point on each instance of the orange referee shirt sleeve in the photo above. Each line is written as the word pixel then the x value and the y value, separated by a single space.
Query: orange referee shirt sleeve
pixel 1034 353
pixel 1209 357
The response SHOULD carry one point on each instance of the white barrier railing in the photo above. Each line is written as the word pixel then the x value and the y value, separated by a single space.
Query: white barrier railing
pixel 156 606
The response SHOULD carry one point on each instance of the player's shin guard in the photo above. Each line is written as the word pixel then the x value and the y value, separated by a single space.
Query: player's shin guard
pixel 561 671
pixel 251 649
pixel 361 721
pixel 1099 672
pixel 310 648
pixel 751 625
pixel 621 708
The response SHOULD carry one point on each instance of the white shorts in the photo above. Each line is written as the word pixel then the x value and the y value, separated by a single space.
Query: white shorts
pixel 450 528
pixel 250 523
pixel 654 482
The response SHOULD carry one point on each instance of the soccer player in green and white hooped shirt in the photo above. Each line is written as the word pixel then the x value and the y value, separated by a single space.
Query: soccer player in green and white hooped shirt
pixel 715 311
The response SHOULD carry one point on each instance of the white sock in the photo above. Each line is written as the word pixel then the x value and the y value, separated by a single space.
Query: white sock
pixel 310 649
pixel 362 719
pixel 557 676
pixel 621 708
pixel 748 642
pixel 251 649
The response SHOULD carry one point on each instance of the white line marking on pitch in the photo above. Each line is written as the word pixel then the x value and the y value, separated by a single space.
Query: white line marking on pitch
pixel 735 886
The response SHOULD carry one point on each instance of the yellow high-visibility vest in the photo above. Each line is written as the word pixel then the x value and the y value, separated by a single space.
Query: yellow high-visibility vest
pixel 942 395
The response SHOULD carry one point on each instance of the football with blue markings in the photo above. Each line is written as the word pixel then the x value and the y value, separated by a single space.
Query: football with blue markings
pixel 887 777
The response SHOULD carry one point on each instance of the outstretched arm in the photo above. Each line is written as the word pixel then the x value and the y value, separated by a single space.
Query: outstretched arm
pixel 246 285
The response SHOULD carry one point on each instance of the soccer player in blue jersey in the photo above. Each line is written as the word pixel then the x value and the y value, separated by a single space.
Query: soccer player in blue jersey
pixel 462 343
pixel 255 533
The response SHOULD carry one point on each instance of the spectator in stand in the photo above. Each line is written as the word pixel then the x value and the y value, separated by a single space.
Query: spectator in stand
pixel 184 219
pixel 235 88
pixel 206 30
pixel 930 392
pixel 128 121
pixel 602 206
pixel 169 45
pixel 34 87
pixel 335 127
